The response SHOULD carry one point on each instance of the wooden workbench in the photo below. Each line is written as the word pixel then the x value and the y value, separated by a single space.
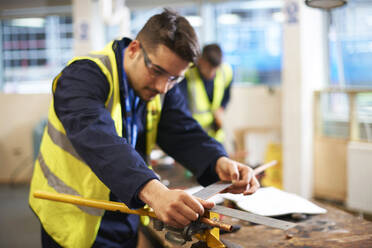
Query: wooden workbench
pixel 336 228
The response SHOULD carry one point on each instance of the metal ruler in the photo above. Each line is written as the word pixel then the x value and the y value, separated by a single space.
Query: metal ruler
pixel 215 188
pixel 212 189
pixel 254 218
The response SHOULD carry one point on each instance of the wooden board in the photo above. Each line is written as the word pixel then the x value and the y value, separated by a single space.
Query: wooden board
pixel 334 229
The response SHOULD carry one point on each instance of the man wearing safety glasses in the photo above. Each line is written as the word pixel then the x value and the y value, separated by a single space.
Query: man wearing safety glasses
pixel 105 117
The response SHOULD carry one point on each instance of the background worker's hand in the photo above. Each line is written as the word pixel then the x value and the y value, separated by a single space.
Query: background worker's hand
pixel 173 207
pixel 241 175
pixel 218 117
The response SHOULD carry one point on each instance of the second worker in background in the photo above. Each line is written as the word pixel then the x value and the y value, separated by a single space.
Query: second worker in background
pixel 206 88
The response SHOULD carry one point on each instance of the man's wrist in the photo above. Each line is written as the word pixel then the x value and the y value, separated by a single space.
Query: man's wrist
pixel 219 163
pixel 152 190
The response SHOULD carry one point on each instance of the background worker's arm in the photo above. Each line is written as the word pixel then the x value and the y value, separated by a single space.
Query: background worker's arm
pixel 218 117
pixel 219 113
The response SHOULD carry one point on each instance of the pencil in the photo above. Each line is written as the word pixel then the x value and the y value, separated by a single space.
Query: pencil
pixel 263 167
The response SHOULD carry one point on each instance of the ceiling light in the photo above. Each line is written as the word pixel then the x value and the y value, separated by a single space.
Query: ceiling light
pixel 325 4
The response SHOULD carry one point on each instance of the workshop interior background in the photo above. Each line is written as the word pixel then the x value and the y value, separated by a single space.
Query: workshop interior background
pixel 302 91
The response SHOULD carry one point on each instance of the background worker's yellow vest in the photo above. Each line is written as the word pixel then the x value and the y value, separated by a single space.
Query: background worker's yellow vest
pixel 60 169
pixel 200 106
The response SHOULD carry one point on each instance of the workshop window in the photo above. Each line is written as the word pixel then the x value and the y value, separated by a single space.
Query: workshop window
pixel 33 51
pixel 250 34
pixel 350 42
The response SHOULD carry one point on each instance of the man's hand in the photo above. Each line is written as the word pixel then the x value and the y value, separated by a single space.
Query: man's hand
pixel 241 176
pixel 173 207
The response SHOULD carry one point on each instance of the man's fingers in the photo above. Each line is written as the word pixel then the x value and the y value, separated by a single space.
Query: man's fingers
pixel 187 211
pixel 180 216
pixel 254 186
pixel 246 175
pixel 183 218
pixel 196 204
pixel 174 219
pixel 240 183
pixel 234 173
pixel 247 184
pixel 174 223
pixel 206 204
pixel 190 211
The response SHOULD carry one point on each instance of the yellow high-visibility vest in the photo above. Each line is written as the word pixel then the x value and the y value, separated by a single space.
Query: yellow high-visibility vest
pixel 59 168
pixel 201 107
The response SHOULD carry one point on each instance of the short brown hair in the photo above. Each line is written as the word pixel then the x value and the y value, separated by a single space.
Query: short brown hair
pixel 212 53
pixel 172 30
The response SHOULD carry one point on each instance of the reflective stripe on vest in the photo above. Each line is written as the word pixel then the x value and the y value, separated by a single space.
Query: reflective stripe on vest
pixel 62 141
pixel 200 106
pixel 61 187
pixel 59 168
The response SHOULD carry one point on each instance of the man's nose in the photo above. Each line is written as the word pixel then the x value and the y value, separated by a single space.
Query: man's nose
pixel 162 85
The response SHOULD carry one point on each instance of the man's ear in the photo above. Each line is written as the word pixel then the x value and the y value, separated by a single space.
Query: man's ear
pixel 133 48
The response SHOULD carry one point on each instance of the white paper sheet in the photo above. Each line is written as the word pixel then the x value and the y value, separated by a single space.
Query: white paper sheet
pixel 271 201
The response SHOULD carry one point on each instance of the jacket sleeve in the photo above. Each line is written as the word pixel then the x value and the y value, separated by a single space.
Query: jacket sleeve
pixel 79 103
pixel 181 137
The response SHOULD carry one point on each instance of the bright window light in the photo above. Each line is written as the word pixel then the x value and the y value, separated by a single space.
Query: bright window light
pixel 28 22
pixel 278 16
pixel 228 19
pixel 195 21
